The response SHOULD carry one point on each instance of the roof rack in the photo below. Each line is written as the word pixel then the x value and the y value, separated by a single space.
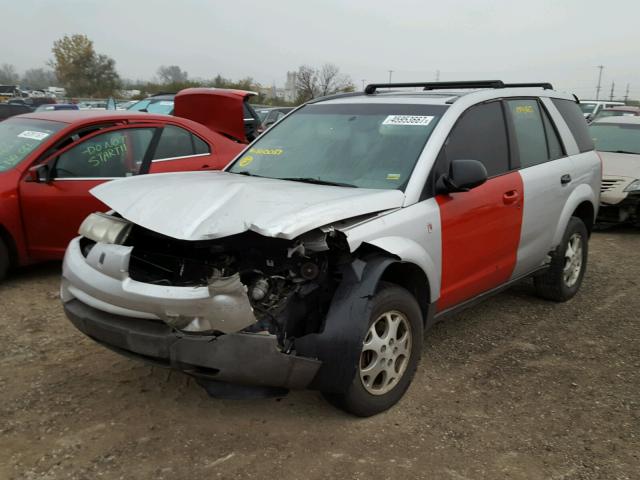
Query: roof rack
pixel 372 87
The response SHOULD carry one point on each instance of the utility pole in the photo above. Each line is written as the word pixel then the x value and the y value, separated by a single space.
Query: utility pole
pixel 363 80
pixel 437 75
pixel 613 85
pixel 390 73
pixel 601 67
pixel 626 95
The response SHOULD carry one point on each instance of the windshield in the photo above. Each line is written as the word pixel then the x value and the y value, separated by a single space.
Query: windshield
pixel 154 105
pixel 616 137
pixel 587 107
pixel 361 145
pixel 20 136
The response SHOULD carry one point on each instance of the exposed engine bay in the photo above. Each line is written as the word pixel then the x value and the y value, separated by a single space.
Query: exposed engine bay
pixel 289 284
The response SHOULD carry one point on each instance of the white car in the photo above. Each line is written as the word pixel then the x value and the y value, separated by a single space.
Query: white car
pixel 617 139
pixel 327 247
pixel 590 108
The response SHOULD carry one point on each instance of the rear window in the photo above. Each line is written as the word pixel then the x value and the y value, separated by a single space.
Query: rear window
pixel 572 115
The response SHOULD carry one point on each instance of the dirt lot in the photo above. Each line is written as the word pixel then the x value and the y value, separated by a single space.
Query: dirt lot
pixel 516 388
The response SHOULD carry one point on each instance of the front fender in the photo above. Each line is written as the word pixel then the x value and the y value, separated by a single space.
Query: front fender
pixel 582 193
pixel 410 251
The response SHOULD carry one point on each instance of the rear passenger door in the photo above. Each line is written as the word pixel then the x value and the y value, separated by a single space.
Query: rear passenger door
pixel 481 227
pixel 546 175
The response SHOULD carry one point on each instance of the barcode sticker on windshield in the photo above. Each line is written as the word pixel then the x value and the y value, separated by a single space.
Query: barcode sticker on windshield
pixel 33 135
pixel 407 120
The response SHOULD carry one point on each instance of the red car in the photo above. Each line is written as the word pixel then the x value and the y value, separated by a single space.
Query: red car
pixel 50 160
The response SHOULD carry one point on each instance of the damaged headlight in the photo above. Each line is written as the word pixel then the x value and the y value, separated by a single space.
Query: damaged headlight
pixel 103 228
pixel 633 186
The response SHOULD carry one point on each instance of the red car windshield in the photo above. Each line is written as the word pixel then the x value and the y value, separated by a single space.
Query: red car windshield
pixel 21 136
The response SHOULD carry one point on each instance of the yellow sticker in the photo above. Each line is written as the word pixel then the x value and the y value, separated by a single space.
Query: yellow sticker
pixel 244 161
pixel 393 176
pixel 524 109
pixel 266 151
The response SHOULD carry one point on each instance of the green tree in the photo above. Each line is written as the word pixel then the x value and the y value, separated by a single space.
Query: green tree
pixel 81 70
pixel 169 74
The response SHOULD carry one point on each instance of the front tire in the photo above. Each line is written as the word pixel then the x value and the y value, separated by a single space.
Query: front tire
pixel 390 354
pixel 568 265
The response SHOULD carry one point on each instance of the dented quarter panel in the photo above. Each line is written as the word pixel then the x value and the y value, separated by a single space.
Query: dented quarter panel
pixel 219 204
pixel 413 234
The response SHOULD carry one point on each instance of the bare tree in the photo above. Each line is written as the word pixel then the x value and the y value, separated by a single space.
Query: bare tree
pixel 306 83
pixel 326 80
pixel 172 74
pixel 330 80
pixel 8 74
pixel 39 78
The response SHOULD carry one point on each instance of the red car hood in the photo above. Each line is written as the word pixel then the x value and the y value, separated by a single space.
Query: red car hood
pixel 221 110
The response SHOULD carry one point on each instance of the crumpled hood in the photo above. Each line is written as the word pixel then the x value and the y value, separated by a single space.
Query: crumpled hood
pixel 620 164
pixel 206 205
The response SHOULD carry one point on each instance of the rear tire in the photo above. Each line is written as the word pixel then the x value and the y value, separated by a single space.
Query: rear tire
pixel 389 357
pixel 4 260
pixel 564 276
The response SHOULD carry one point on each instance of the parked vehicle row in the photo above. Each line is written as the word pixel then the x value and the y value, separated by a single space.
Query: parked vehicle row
pixel 321 254
pixel 50 160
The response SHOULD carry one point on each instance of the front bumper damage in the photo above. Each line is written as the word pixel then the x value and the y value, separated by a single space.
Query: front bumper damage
pixel 176 327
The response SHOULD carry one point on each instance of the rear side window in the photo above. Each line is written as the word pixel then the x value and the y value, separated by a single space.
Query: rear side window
pixel 177 142
pixel 481 134
pixel 572 114
pixel 553 140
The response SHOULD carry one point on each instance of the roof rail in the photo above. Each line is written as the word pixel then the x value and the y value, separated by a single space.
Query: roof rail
pixel 545 85
pixel 372 87
pixel 334 96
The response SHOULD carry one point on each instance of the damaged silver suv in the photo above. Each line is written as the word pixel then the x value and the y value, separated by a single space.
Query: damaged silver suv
pixel 319 257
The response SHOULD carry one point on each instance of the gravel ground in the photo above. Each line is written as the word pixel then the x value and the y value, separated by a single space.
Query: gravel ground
pixel 515 388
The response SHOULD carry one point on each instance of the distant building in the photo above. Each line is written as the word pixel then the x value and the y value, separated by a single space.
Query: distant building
pixel 290 93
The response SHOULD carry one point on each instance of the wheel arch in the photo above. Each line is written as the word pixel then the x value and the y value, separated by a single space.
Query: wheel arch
pixel 581 203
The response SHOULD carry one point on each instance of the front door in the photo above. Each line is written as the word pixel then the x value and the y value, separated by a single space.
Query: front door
pixel 481 227
pixel 52 211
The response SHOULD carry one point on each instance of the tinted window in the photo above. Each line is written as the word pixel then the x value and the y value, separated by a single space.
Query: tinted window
pixel 531 140
pixel 112 154
pixel 177 142
pixel 481 135
pixel 572 115
pixel 553 140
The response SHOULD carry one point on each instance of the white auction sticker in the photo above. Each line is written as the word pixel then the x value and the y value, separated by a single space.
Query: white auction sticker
pixel 165 103
pixel 407 120
pixel 33 135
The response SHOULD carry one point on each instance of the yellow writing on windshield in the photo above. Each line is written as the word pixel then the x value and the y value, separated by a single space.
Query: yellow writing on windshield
pixel 266 151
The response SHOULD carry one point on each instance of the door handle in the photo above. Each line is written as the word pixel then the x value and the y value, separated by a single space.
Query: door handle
pixel 564 179
pixel 510 197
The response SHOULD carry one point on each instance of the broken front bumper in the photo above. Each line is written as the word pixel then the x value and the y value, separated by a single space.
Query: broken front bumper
pixel 243 358
pixel 156 322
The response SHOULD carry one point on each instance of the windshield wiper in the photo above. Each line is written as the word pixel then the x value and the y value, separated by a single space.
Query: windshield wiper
pixel 318 181
pixel 248 174
pixel 622 151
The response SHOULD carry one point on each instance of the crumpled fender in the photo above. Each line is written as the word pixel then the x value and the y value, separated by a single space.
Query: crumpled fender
pixel 339 344
pixel 410 251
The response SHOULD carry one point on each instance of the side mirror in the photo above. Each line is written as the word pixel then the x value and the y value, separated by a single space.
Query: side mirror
pixel 40 173
pixel 463 176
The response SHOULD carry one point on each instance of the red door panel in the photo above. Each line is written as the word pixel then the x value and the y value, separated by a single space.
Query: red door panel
pixel 192 163
pixel 52 213
pixel 480 237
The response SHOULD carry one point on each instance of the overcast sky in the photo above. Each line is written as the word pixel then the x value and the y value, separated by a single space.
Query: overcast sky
pixel 560 41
